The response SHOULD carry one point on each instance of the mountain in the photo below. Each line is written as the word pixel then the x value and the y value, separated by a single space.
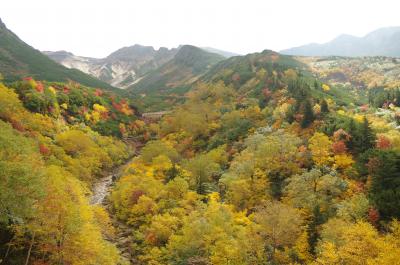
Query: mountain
pixel 18 60
pixel 381 42
pixel 122 67
pixel 241 70
pixel 175 77
pixel 226 54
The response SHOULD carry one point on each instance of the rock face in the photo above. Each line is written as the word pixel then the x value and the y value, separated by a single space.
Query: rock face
pixel 188 64
pixel 121 68
pixel 381 42
pixel 127 66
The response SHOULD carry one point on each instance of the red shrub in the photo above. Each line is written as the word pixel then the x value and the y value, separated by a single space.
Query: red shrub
pixel 44 150
pixel 373 216
pixel 136 195
pixel 339 147
pixel 383 142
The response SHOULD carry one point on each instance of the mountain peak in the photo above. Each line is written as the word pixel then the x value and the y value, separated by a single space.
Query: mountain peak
pixel 381 42
pixel 188 47
pixel 226 54
pixel 131 52
pixel 2 25
pixel 344 37
pixel 191 55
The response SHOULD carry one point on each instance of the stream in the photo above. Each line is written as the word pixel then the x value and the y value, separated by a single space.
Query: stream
pixel 101 190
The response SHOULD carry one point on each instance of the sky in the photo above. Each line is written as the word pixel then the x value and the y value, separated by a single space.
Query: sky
pixel 95 28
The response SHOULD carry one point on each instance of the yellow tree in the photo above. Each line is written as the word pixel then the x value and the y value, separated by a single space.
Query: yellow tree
pixel 280 226
pixel 320 147
pixel 357 244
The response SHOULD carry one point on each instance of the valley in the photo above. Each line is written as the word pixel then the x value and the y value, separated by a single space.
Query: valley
pixel 197 156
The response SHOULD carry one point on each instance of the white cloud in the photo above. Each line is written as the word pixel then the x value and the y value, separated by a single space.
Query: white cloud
pixel 96 28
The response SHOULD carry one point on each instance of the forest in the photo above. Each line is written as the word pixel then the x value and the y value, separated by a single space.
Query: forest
pixel 266 161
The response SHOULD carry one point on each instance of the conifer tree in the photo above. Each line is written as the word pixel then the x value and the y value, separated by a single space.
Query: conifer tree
pixel 367 136
pixel 308 115
pixel 324 106
pixel 313 234
pixel 352 142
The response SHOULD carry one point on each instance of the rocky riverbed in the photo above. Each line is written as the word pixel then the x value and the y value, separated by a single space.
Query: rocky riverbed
pixel 101 190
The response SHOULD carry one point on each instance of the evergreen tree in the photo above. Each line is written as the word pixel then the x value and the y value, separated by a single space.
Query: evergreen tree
pixel 384 167
pixel 308 115
pixel 397 97
pixel 324 106
pixel 352 142
pixel 367 136
pixel 290 114
pixel 316 84
pixel 317 219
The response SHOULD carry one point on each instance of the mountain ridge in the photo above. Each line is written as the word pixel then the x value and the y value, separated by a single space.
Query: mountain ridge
pixel 18 59
pixel 125 66
pixel 174 78
pixel 380 42
pixel 121 68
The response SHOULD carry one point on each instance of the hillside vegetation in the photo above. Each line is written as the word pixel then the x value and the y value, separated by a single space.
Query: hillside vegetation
pixel 265 164
pixel 165 86
pixel 48 162
pixel 18 60
pixel 257 159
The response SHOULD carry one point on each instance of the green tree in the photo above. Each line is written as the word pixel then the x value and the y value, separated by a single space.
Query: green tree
pixel 202 169
pixel 21 175
pixel 352 143
pixel 367 136
pixel 314 189
pixel 324 106
pixel 384 167
pixel 308 115
pixel 317 219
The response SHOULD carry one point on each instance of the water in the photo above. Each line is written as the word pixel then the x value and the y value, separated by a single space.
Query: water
pixel 101 189
pixel 103 186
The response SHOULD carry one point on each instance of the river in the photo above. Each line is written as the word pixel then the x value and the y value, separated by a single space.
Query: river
pixel 100 191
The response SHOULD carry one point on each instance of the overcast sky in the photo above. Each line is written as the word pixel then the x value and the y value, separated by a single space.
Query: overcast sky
pixel 98 27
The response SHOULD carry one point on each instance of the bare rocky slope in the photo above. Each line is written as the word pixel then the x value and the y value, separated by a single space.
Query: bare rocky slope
pixel 121 68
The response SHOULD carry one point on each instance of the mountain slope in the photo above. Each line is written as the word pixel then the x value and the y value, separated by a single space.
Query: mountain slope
pixel 226 54
pixel 239 70
pixel 18 59
pixel 382 42
pixel 175 77
pixel 361 73
pixel 260 75
pixel 122 67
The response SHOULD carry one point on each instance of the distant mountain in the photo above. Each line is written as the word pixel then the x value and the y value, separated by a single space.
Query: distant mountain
pixel 244 72
pixel 381 42
pixel 122 67
pixel 175 77
pixel 226 54
pixel 18 60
